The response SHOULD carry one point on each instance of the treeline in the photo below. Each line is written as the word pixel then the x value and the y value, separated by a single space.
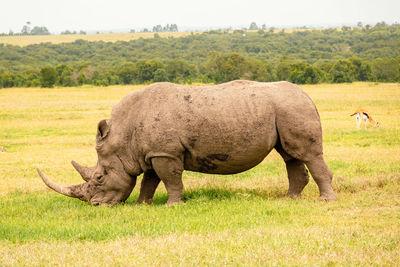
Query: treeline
pixel 28 29
pixel 218 68
pixel 312 56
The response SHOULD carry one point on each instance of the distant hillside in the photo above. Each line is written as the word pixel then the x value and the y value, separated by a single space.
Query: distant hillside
pixel 260 55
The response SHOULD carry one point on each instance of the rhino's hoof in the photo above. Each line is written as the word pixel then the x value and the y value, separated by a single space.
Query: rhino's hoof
pixel 328 198
pixel 148 201
pixel 174 203
pixel 293 196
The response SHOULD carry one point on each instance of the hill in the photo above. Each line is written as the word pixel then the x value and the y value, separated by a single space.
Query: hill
pixel 329 55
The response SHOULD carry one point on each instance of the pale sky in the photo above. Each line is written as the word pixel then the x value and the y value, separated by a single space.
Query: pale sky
pixel 109 15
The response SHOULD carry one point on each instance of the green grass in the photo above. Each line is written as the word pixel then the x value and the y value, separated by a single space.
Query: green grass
pixel 225 220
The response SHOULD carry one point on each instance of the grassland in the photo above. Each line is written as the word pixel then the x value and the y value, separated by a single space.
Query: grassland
pixel 24 40
pixel 225 220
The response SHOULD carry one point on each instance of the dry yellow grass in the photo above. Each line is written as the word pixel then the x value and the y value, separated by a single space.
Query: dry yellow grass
pixel 68 38
pixel 106 37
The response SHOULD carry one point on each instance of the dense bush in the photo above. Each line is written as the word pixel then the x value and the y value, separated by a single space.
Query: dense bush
pixel 48 77
pixel 311 56
pixel 302 73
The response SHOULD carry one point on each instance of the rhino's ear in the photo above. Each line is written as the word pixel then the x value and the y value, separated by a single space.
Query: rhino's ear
pixel 102 129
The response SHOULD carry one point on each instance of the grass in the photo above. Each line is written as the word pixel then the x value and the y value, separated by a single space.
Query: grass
pixel 225 220
pixel 25 40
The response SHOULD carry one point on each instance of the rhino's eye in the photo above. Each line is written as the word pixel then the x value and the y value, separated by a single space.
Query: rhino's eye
pixel 99 177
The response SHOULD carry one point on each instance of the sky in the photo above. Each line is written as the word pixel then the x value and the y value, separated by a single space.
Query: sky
pixel 109 15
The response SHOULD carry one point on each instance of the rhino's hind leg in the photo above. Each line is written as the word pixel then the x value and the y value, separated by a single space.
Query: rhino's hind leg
pixel 170 172
pixel 298 177
pixel 148 187
pixel 297 174
pixel 303 143
pixel 323 177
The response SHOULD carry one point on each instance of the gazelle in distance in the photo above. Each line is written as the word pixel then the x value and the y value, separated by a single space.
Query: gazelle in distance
pixel 363 115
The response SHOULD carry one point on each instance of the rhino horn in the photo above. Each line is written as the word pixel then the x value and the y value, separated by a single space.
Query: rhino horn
pixel 75 191
pixel 85 172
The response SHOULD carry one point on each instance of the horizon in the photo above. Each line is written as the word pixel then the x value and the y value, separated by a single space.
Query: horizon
pixel 100 16
pixel 207 28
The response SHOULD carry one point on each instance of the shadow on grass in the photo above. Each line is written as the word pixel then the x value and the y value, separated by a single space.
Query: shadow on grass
pixel 218 194
pixel 49 200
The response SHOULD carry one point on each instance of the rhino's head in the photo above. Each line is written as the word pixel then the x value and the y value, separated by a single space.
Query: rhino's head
pixel 110 182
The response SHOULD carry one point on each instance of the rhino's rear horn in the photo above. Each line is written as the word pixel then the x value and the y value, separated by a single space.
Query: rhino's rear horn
pixel 75 191
pixel 85 172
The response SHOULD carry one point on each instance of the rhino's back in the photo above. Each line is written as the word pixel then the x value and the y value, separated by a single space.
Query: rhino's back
pixel 226 128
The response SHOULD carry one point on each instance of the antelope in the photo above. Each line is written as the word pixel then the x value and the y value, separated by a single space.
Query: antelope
pixel 363 115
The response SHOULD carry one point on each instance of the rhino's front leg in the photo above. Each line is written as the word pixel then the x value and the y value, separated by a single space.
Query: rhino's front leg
pixel 170 172
pixel 149 185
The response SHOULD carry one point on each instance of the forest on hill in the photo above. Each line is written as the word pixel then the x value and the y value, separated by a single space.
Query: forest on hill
pixel 304 56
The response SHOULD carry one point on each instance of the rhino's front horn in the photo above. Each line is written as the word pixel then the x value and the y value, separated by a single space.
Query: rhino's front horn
pixel 75 191
pixel 85 172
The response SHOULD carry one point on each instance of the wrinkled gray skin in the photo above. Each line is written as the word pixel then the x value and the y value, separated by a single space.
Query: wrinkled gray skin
pixel 166 128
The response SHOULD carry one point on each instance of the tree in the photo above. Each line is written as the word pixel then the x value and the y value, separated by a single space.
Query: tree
pixel 157 28
pixel 261 71
pixel 380 24
pixel 342 71
pixel 64 75
pixel 145 70
pixel 174 28
pixel 180 71
pixel 304 73
pixel 30 78
pixel 81 79
pixel 386 69
pixel 253 26
pixel 39 31
pixel 7 79
pixel 223 68
pixel 26 29
pixel 160 75
pixel 48 77
pixel 346 28
pixel 283 69
pixel 361 69
pixel 127 73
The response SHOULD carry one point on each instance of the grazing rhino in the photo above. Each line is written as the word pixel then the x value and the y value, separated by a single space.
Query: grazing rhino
pixel 165 128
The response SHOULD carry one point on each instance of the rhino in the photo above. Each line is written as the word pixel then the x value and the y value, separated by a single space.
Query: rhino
pixel 165 128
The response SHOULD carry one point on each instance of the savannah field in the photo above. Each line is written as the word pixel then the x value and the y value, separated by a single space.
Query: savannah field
pixel 25 40
pixel 229 220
